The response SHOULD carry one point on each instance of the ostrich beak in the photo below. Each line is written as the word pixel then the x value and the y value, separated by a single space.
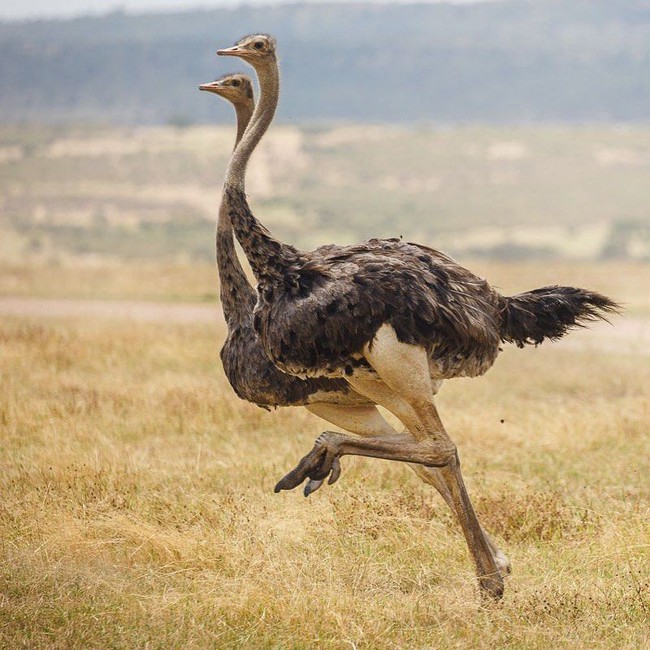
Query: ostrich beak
pixel 213 85
pixel 230 51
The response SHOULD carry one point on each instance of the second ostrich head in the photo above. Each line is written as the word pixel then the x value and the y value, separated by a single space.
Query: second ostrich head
pixel 236 88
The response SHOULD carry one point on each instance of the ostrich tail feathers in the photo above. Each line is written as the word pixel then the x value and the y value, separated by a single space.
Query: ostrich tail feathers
pixel 550 312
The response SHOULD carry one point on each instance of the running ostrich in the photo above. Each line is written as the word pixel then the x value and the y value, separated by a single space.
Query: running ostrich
pixel 394 319
pixel 252 374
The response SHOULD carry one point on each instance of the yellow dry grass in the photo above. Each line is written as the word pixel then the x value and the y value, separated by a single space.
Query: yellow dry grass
pixel 136 505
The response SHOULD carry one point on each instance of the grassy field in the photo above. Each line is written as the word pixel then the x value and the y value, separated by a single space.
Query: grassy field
pixel 152 193
pixel 137 511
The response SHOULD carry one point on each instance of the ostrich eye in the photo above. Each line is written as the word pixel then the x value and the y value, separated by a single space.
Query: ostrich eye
pixel 258 45
pixel 236 82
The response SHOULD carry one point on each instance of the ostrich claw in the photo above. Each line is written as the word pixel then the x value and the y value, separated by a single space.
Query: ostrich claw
pixel 320 463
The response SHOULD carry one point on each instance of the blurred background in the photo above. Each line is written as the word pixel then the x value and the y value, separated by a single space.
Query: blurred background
pixel 511 130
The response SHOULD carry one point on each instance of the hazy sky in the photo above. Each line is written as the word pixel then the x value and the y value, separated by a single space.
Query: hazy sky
pixel 17 9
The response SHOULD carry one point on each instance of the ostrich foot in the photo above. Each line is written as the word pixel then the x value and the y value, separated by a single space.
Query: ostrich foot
pixel 322 461
pixel 491 587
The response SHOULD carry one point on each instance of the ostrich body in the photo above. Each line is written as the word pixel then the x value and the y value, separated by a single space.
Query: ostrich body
pixel 392 318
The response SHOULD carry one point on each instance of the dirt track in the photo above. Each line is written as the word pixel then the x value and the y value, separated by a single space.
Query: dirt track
pixel 626 334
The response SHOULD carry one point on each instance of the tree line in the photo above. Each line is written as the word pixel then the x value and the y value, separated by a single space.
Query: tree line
pixel 509 61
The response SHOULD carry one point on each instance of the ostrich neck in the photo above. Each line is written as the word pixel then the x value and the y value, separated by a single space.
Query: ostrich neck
pixel 269 258
pixel 269 78
pixel 244 113
pixel 237 295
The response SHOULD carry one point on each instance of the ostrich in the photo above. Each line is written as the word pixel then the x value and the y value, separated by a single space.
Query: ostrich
pixel 249 371
pixel 252 374
pixel 394 319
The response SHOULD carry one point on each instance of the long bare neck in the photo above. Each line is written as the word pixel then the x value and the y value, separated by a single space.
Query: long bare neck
pixel 269 258
pixel 269 78
pixel 237 295
pixel 244 112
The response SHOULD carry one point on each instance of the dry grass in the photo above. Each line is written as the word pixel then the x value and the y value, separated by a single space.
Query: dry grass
pixel 137 509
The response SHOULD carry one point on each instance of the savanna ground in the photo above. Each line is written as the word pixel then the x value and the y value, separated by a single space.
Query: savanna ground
pixel 137 506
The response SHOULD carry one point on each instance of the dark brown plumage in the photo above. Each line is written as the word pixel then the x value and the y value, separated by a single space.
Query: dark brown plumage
pixel 316 310
pixel 549 312
pixel 251 373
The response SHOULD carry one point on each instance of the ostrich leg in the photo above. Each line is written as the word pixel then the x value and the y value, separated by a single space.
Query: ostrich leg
pixel 389 358
pixel 323 461
pixel 368 422
pixel 409 396
pixel 433 476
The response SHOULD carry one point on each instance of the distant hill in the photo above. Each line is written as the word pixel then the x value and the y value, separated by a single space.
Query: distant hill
pixel 506 192
pixel 521 61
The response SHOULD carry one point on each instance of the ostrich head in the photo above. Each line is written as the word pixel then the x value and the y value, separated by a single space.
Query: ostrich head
pixel 236 88
pixel 254 49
